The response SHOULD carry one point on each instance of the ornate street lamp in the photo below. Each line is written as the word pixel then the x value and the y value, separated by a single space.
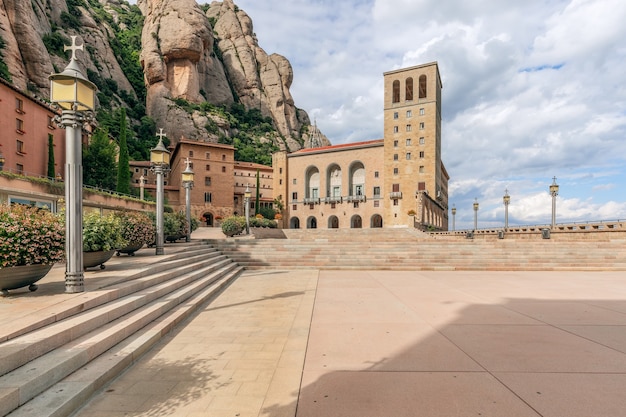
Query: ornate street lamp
pixel 246 199
pixel 187 175
pixel 453 217
pixel 160 164
pixel 554 191
pixel 506 200
pixel 475 213
pixel 142 183
pixel 76 95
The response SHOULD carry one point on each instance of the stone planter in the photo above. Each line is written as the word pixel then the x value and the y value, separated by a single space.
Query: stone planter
pixel 130 249
pixel 20 276
pixel 91 259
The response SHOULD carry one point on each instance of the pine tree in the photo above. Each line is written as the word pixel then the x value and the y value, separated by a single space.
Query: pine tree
pixel 51 173
pixel 99 168
pixel 123 165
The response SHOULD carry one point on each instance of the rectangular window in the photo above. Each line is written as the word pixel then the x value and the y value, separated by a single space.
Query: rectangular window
pixel 208 197
pixel 280 170
pixel 19 105
pixel 422 140
pixel 190 154
pixel 207 167
pixel 395 171
pixel 294 181
pixel 422 154
pixel 395 115
pixel 408 128
pixel 207 181
pixel 333 205
pixel 375 174
pixel 395 143
pixel 409 113
pixel 395 156
pixel 19 126
pixel 421 186
pixel 395 129
pixel 136 170
pixel 408 156
pixel 294 196
pixel 395 188
pixel 207 155
pixel 19 168
pixel 395 202
pixel 223 157
pixel 223 169
pixel 50 122
pixel 20 146
pixel 376 191
pixel 356 204
pixel 336 191
pixel 421 125
pixel 145 172
pixel 280 182
pixel 376 203
pixel 408 142
pixel 314 193
pixel 294 207
pixel 421 169
pixel 422 111
pixel 358 190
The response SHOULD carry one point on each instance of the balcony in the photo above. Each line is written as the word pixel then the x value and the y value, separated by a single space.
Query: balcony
pixel 333 200
pixel 396 195
pixel 356 198
pixel 311 201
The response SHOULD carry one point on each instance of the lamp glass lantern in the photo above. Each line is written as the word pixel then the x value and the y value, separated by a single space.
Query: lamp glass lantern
pixel 506 199
pixel 159 155
pixel 71 90
pixel 554 188
pixel 187 174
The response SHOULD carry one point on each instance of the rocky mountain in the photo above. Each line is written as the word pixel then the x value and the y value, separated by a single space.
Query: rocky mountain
pixel 172 60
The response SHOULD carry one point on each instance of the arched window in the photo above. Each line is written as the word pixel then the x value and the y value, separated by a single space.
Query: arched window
pixel 356 222
pixel 422 86
pixel 376 221
pixel 294 223
pixel 333 181
pixel 408 94
pixel 333 222
pixel 396 92
pixel 312 182
pixel 311 223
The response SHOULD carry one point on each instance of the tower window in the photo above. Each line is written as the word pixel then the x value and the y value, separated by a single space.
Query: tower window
pixel 408 128
pixel 409 113
pixel 422 87
pixel 409 89
pixel 396 92
pixel 422 140
pixel 422 154
pixel 408 142
pixel 395 129
pixel 421 125
pixel 395 156
pixel 395 115
pixel 422 112
pixel 395 143
pixel 408 156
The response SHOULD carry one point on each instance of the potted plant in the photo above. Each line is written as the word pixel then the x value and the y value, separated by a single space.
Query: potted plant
pixel 102 236
pixel 31 241
pixel 137 229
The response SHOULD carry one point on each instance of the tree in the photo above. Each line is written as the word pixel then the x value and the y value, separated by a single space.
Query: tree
pixel 51 173
pixel 123 165
pixel 99 168
pixel 258 193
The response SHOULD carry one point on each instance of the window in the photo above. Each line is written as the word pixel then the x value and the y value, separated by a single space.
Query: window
pixel 422 86
pixel 294 181
pixel 395 202
pixel 395 115
pixel 145 172
pixel 136 170
pixel 358 190
pixel 294 196
pixel 20 146
pixel 280 182
pixel 19 126
pixel 422 154
pixel 421 169
pixel 50 122
pixel 421 186
pixel 207 155
pixel 422 140
pixel 207 181
pixel 395 188
pixel 223 157
pixel 408 128
pixel 375 174
pixel 395 156
pixel 207 167
pixel 376 191
pixel 19 106
pixel 19 168
pixel 190 154
pixel 395 129
pixel 408 156
pixel 395 171
pixel 280 170
pixel 355 204
pixel 408 142
pixel 336 192
pixel 395 143
pixel 409 113
pixel 421 125
pixel 408 94
pixel 208 197
pixel 376 203
pixel 294 207
pixel 223 169
pixel 396 92
pixel 422 111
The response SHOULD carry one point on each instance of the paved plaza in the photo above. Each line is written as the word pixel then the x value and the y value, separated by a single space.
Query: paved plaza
pixel 376 343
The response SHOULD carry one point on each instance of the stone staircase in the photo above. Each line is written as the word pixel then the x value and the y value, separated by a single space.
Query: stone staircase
pixel 53 361
pixel 403 249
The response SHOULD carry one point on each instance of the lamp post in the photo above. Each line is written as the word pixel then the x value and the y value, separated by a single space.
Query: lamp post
pixel 506 200
pixel 453 217
pixel 159 163
pixel 76 95
pixel 187 175
pixel 475 213
pixel 246 199
pixel 554 191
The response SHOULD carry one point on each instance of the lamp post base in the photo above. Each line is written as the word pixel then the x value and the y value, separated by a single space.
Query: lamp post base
pixel 74 282
pixel 159 251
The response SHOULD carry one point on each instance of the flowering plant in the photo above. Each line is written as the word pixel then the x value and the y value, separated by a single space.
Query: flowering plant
pixel 30 236
pixel 278 216
pixel 411 212
pixel 102 233
pixel 137 227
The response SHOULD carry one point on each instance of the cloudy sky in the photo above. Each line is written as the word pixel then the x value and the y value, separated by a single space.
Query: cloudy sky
pixel 531 89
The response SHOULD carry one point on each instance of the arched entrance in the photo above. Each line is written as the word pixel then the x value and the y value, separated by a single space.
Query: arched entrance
pixel 376 221
pixel 208 217
pixel 333 222
pixel 294 223
pixel 311 223
pixel 356 222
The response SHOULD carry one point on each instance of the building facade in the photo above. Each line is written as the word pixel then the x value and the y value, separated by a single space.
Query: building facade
pixel 397 181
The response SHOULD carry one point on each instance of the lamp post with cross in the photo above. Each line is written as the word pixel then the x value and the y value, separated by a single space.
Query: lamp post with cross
pixel 159 163
pixel 76 95
pixel 554 191
pixel 506 200
pixel 187 177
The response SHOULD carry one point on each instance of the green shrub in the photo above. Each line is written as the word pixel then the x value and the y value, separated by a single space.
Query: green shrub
pixel 233 225
pixel 102 233
pixel 137 227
